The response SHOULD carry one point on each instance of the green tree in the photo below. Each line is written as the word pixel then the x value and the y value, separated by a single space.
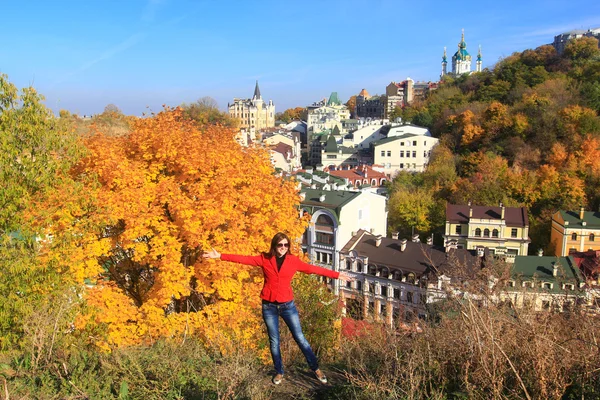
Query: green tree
pixel 37 151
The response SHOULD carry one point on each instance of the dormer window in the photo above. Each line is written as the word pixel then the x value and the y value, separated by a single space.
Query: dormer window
pixel 478 232
pixel 573 236
pixel 546 285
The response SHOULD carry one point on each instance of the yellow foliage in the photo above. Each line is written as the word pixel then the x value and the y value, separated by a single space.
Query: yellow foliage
pixel 167 191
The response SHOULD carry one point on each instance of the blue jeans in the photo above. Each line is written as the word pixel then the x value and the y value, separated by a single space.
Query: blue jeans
pixel 289 313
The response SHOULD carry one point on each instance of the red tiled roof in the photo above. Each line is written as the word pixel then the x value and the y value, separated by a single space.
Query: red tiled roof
pixel 354 174
pixel 514 216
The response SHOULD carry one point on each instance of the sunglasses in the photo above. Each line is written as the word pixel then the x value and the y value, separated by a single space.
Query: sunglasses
pixel 283 245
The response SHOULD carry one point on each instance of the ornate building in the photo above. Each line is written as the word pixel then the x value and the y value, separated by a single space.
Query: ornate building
pixel 461 60
pixel 253 114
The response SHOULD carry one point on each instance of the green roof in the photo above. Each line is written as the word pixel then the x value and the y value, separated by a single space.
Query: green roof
pixel 334 99
pixel 331 146
pixel 335 131
pixel 591 218
pixel 334 201
pixel 540 269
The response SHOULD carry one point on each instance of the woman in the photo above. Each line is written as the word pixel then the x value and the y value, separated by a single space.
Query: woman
pixel 279 267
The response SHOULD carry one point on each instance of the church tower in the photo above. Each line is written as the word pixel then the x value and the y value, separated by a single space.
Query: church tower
pixel 478 67
pixel 444 63
pixel 461 60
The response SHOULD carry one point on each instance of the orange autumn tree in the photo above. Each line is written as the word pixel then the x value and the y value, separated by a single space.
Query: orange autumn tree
pixel 168 191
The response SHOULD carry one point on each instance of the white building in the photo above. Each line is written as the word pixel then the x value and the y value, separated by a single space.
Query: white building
pixel 284 147
pixel 327 115
pixel 407 152
pixel 461 60
pixel 335 217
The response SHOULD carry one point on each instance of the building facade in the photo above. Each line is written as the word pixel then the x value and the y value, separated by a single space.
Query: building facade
pixel 502 230
pixel 560 41
pixel 336 215
pixel 406 152
pixel 368 106
pixel 575 231
pixel 253 114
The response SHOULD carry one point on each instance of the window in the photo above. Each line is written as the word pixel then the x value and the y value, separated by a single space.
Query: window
pixel 371 307
pixel 458 229
pixel 324 238
pixel 546 285
pixel 573 236
pixel 486 232
pixel 401 165
pixel 513 232
pixel 359 286
pixel 545 305
pixel 477 232
pixel 423 298
pixel 349 284
pixel 348 265
pixel 495 233
pixel 384 291
pixel 425 143
pixel 371 287
pixel 359 267
pixel 410 278
pixel 382 153
pixel 397 293
pixel 409 297
pixel 383 310
pixel 401 143
pixel 402 154
pixel 592 237
pixel 372 269
pixel 389 153
pixel 330 155
pixel 425 154
pixel 414 154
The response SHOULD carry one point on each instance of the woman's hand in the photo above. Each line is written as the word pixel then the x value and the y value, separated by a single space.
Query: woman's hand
pixel 212 254
pixel 346 277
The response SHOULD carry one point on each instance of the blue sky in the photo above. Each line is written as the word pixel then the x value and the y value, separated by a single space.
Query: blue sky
pixel 140 54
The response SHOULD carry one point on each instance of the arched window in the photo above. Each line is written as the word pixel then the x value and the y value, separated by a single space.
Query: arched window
pixel 348 264
pixel 477 232
pixel 359 267
pixel 495 233
pixel 397 276
pixel 372 269
pixel 324 220
pixel 486 233
pixel 573 236
pixel 373 182
pixel 410 278
pixel 592 237
pixel 324 230
pixel 384 272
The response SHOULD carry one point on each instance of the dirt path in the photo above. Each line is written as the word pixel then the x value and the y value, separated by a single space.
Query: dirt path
pixel 302 384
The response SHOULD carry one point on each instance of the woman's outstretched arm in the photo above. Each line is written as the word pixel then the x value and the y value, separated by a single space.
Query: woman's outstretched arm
pixel 247 260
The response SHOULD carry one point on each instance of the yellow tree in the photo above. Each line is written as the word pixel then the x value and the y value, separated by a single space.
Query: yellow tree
pixel 166 192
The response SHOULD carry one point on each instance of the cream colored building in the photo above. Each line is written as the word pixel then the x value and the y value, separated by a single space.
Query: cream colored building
pixel 253 114
pixel 407 152
pixel 575 231
pixel 502 230
pixel 327 115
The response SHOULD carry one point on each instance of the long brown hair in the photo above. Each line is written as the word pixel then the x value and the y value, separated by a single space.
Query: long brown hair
pixel 276 239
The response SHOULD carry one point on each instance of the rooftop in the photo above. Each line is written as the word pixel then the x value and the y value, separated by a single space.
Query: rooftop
pixel 514 216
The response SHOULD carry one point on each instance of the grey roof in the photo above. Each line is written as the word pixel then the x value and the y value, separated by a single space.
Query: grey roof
pixel 257 91
pixel 419 258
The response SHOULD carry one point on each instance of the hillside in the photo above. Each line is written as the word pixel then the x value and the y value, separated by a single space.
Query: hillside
pixel 526 132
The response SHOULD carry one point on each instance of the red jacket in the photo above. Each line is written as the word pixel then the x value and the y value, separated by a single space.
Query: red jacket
pixel 278 284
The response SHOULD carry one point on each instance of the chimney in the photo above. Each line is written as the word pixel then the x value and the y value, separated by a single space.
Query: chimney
pixel 302 196
pixel 470 211
pixel 415 238
pixel 480 251
pixel 322 198
pixel 430 240
pixel 502 209
pixel 554 269
pixel 540 252
pixel 581 213
pixel 353 233
pixel 403 244
pixel 377 240
pixel 395 235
